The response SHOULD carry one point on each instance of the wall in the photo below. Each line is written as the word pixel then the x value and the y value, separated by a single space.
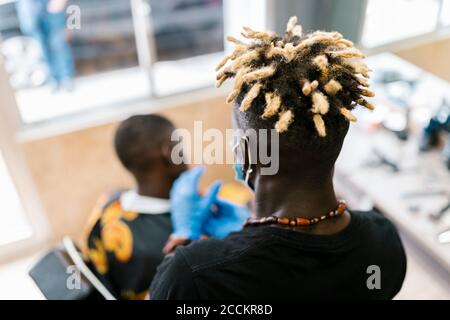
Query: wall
pixel 71 170
pixel 433 57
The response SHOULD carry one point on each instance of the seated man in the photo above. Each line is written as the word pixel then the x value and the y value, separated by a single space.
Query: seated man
pixel 129 228
pixel 302 242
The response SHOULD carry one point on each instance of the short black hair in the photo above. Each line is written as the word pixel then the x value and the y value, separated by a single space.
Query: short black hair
pixel 137 137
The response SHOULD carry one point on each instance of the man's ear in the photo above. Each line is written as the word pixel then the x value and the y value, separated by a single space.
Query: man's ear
pixel 166 153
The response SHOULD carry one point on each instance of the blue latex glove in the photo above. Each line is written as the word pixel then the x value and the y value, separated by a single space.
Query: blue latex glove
pixel 189 210
pixel 226 218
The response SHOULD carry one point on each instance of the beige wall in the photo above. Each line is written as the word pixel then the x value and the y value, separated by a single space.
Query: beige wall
pixel 434 57
pixel 71 170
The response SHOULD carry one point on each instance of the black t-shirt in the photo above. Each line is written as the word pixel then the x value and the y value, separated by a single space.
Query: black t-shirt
pixel 364 261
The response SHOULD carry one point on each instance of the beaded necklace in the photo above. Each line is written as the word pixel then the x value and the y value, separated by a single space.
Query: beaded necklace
pixel 297 221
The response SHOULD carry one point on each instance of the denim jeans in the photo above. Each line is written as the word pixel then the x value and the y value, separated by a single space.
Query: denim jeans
pixel 49 30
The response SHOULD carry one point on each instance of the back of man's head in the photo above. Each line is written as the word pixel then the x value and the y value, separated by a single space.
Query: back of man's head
pixel 141 142
pixel 304 86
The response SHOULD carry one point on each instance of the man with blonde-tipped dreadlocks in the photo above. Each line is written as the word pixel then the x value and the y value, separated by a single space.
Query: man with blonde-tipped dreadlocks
pixel 301 242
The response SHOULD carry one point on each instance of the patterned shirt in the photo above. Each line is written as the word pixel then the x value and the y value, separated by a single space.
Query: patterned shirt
pixel 124 247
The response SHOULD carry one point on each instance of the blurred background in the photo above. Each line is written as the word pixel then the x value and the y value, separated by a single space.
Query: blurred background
pixel 71 70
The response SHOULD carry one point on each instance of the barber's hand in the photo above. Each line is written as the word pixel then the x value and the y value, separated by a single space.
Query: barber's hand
pixel 226 218
pixel 189 210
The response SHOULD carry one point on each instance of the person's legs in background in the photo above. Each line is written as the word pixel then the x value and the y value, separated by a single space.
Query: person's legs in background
pixel 49 29
pixel 60 54
pixel 29 13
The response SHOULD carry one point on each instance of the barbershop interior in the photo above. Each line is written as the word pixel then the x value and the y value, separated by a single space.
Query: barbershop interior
pixel 89 185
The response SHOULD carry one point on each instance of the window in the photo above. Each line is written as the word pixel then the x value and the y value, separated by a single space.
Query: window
pixel 388 21
pixel 22 222
pixel 187 36
pixel 121 51
pixel 445 13
pixel 187 28
pixel 58 67
pixel 14 225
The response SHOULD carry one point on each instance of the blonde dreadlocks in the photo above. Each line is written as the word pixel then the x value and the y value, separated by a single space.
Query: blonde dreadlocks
pixel 317 75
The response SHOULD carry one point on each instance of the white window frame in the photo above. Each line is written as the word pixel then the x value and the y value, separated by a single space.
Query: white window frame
pixel 16 165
